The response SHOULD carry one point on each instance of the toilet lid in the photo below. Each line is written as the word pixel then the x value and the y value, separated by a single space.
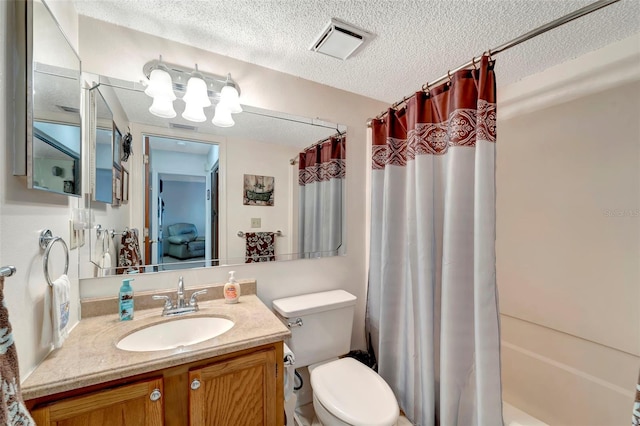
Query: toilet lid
pixel 354 393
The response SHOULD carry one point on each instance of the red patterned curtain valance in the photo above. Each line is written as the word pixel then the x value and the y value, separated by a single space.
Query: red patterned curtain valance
pixel 455 114
pixel 323 161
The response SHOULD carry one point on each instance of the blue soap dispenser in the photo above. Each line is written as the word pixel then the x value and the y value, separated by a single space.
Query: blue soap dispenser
pixel 126 300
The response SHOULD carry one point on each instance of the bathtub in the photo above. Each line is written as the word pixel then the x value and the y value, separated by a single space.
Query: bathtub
pixel 515 417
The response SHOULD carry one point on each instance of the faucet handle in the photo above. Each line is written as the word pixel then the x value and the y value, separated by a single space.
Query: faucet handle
pixel 167 300
pixel 193 300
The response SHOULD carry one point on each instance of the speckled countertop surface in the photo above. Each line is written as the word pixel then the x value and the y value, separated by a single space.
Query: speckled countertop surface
pixel 89 355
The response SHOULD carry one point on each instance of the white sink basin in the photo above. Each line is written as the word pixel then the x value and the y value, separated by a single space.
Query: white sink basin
pixel 174 333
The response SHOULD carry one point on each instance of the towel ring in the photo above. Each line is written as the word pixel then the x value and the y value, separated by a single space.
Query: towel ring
pixel 47 240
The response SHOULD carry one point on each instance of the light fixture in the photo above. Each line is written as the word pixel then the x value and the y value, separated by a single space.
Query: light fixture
pixel 229 96
pixel 222 117
pixel 198 93
pixel 160 89
pixel 196 98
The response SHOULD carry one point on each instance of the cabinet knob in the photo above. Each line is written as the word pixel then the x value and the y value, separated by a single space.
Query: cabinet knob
pixel 195 384
pixel 155 395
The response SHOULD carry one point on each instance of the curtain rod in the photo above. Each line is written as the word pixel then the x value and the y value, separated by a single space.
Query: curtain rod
pixel 339 134
pixel 508 45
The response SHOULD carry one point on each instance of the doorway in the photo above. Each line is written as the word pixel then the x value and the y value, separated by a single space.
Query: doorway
pixel 181 217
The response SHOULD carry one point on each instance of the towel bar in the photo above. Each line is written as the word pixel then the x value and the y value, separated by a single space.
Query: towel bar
pixel 278 233
pixel 47 240
pixel 7 271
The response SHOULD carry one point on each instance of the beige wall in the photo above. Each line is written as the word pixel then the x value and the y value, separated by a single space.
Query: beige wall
pixel 23 214
pixel 267 159
pixel 568 244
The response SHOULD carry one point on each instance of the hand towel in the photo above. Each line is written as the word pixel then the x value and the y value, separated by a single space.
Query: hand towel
pixel 113 254
pixel 60 310
pixel 12 408
pixel 261 246
pixel 105 265
pixel 130 258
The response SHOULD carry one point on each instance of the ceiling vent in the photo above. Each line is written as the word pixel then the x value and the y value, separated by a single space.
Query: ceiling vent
pixel 182 126
pixel 340 40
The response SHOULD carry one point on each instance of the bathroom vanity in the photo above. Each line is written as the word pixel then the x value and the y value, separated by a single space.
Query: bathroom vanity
pixel 235 378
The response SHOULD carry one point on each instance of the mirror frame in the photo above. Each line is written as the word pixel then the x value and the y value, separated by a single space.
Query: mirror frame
pixel 23 133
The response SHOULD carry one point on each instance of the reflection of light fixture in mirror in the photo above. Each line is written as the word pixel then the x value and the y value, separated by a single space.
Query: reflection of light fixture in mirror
pixel 162 106
pixel 196 98
pixel 199 91
pixel 229 96
pixel 222 118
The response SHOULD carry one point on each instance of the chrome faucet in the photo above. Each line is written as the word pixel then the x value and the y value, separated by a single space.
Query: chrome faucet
pixel 180 306
pixel 180 294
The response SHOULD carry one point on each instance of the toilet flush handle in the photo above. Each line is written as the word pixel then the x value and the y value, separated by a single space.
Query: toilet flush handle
pixel 298 323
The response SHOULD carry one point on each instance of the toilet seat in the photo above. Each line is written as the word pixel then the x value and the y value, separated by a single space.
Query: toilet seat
pixel 354 393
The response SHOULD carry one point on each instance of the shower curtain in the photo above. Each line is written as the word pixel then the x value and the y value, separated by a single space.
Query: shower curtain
pixel 432 311
pixel 321 172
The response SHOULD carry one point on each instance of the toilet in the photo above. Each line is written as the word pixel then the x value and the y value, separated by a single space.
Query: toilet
pixel 345 391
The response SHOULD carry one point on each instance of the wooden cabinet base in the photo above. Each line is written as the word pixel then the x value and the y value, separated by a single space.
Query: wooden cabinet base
pixel 243 388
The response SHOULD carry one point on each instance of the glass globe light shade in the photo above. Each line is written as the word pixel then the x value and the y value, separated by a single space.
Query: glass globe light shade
pixel 229 96
pixel 194 112
pixel 197 92
pixel 162 107
pixel 222 117
pixel 160 84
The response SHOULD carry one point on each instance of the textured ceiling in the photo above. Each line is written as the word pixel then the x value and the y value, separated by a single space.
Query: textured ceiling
pixel 416 40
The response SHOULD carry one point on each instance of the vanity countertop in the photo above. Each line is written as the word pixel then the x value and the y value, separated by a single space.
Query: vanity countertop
pixel 89 355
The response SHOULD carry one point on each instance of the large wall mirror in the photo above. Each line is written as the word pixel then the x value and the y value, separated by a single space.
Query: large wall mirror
pixel 101 169
pixel 202 193
pixel 51 157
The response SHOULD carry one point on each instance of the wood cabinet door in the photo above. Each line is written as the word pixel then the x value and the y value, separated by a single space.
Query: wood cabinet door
pixel 236 392
pixel 130 405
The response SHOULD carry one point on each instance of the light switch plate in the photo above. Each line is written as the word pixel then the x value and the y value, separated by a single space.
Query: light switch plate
pixel 256 222
pixel 73 236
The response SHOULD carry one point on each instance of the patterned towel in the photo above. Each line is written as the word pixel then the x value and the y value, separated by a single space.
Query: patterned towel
pixel 261 246
pixel 130 258
pixel 12 409
pixel 635 416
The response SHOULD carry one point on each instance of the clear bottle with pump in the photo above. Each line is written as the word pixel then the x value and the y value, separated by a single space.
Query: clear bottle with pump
pixel 232 289
pixel 125 300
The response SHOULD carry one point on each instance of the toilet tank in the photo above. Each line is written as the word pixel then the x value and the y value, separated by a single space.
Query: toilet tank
pixel 320 324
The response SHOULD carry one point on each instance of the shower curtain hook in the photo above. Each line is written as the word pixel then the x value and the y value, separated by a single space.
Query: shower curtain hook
pixel 449 75
pixel 473 63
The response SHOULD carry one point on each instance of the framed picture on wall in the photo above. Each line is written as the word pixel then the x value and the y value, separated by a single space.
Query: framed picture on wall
pixel 125 186
pixel 258 190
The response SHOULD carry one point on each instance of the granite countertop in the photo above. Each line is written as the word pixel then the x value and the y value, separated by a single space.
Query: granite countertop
pixel 89 355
